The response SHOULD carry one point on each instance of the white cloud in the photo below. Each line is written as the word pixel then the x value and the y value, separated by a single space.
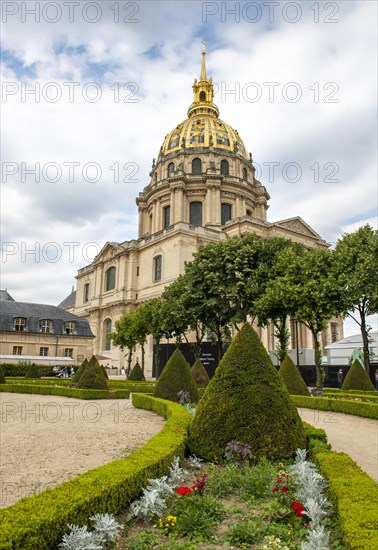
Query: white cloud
pixel 109 132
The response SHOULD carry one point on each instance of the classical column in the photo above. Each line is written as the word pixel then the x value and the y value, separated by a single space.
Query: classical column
pixel 180 205
pixel 208 205
pixel 217 205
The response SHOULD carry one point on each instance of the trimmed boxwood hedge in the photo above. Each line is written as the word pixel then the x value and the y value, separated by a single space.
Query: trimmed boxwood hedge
pixel 351 392
pixel 21 369
pixel 40 521
pixel 357 408
pixel 65 392
pixel 364 397
pixel 353 493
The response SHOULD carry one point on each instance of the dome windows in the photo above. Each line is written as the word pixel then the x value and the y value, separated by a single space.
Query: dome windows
pixel 226 213
pixel 106 334
pixel 224 168
pixel 196 166
pixel 195 213
pixel 202 96
pixel 166 216
pixel 245 174
pixel 157 268
pixel 171 169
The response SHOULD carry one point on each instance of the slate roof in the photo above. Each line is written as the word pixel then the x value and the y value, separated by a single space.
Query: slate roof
pixel 68 301
pixel 5 296
pixel 34 313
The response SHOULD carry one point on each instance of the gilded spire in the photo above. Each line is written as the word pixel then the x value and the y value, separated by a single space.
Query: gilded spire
pixel 203 92
pixel 203 65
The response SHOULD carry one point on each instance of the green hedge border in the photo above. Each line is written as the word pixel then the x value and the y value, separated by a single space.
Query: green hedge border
pixel 351 392
pixel 65 392
pixel 353 493
pixel 367 398
pixel 40 521
pixel 357 408
pixel 139 387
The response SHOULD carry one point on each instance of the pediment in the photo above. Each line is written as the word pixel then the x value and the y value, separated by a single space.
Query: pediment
pixel 108 251
pixel 299 226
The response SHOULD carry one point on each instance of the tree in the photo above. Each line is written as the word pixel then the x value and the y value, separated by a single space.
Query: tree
pixel 176 377
pixel 316 297
pixel 124 334
pixel 2 376
pixel 356 268
pixel 246 401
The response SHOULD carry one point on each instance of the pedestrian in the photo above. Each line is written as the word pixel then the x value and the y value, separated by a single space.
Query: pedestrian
pixel 123 372
pixel 376 379
pixel 65 372
pixel 340 377
pixel 72 371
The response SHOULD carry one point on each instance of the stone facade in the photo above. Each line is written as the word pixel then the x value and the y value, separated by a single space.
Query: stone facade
pixel 202 189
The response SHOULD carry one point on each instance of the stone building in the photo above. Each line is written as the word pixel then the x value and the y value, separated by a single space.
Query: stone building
pixel 41 330
pixel 202 189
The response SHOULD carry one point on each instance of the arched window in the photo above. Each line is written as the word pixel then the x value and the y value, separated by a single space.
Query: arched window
pixel 195 213
pixel 166 217
pixel 86 293
pixel 202 96
pixel 45 326
pixel 171 169
pixel 157 268
pixel 110 277
pixel 224 167
pixel 106 335
pixel 226 211
pixel 19 324
pixel 245 174
pixel 197 166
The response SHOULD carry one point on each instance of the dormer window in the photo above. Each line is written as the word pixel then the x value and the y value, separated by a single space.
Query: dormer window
pixel 19 324
pixel 69 327
pixel 45 326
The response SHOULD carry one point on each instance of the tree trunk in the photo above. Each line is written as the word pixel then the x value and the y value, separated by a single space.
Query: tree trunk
pixel 318 357
pixel 157 358
pixel 143 353
pixel 282 334
pixel 129 358
pixel 365 339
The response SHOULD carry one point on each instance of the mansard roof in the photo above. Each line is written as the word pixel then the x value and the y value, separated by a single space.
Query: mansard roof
pixel 34 313
pixel 69 301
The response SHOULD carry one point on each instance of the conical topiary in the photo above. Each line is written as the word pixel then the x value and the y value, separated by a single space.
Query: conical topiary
pixel 103 370
pixel 292 378
pixel 136 373
pixel 246 401
pixel 2 376
pixel 32 372
pixel 92 377
pixel 176 377
pixel 357 379
pixel 200 375
pixel 76 377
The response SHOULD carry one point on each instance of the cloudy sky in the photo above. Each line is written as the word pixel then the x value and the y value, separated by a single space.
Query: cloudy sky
pixel 90 89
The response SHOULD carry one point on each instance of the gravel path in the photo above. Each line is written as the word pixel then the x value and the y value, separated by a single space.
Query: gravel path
pixel 356 436
pixel 46 440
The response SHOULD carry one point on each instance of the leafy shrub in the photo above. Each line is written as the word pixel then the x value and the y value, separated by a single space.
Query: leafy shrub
pixel 32 372
pixel 176 376
pixel 2 376
pixel 247 401
pixel 197 516
pixel 357 379
pixel 357 408
pixel 21 368
pixel 257 481
pixel 136 373
pixel 92 377
pixel 238 452
pixel 224 481
pixel 76 377
pixel 292 378
pixel 199 374
pixel 247 532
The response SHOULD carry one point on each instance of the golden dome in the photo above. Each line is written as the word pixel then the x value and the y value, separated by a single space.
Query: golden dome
pixel 203 128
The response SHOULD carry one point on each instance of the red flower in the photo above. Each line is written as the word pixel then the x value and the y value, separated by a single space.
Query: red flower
pixel 284 489
pixel 298 508
pixel 184 491
pixel 275 489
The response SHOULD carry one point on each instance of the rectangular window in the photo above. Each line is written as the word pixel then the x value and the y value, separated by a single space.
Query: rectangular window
pixel 17 350
pixel 225 213
pixel 69 328
pixel 68 352
pixel 166 216
pixel 157 268
pixel 86 293
pixel 45 326
pixel 19 324
pixel 195 215
pixel 43 352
